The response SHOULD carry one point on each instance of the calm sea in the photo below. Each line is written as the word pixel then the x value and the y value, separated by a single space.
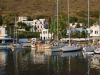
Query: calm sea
pixel 32 62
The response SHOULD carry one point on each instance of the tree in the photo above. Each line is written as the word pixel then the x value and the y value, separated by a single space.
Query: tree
pixel 78 25
pixel 27 28
pixel 1 21
pixel 83 34
pixel 21 25
pixel 35 28
pixel 75 34
pixel 73 19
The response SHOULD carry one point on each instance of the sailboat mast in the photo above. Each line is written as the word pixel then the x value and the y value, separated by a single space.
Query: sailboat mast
pixel 57 20
pixel 68 21
pixel 99 24
pixel 15 32
pixel 88 22
pixel 88 13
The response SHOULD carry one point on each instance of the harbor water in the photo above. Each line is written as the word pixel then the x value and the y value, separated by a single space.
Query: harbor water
pixel 32 62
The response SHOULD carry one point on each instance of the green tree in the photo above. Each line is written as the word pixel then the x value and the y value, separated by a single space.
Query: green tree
pixel 27 28
pixel 75 34
pixel 83 34
pixel 73 19
pixel 78 25
pixel 21 25
pixel 35 28
pixel 1 21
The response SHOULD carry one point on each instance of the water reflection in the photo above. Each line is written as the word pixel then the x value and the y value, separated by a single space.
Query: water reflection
pixel 95 62
pixel 92 64
pixel 32 62
pixel 3 57
pixel 63 63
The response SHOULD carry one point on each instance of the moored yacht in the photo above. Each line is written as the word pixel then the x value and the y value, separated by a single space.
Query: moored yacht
pixel 69 47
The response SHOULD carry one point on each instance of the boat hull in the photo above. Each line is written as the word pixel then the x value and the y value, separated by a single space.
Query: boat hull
pixel 55 48
pixel 97 51
pixel 88 49
pixel 71 49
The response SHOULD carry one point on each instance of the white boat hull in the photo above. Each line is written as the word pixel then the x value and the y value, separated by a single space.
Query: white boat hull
pixel 89 49
pixel 97 51
pixel 46 46
pixel 71 48
pixel 33 46
pixel 55 48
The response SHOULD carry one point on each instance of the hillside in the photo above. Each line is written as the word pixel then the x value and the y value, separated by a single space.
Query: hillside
pixel 46 7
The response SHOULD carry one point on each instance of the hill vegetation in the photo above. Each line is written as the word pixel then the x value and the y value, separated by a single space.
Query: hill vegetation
pixel 35 8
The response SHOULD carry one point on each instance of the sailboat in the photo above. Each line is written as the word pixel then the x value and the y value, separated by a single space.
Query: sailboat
pixel 89 48
pixel 69 47
pixel 15 45
pixel 57 47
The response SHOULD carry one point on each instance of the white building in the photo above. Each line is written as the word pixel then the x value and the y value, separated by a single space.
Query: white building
pixel 28 22
pixel 73 25
pixel 37 25
pixel 4 36
pixel 45 35
pixel 21 19
pixel 95 31
pixel 78 29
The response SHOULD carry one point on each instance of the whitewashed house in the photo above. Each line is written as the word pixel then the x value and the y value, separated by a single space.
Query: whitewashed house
pixel 4 36
pixel 78 29
pixel 37 25
pixel 45 35
pixel 95 31
pixel 73 25
pixel 22 19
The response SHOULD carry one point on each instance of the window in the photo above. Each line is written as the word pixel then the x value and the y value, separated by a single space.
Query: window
pixel 96 32
pixel 46 32
pixel 43 32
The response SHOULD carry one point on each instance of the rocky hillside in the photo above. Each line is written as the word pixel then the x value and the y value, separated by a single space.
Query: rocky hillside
pixel 46 7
